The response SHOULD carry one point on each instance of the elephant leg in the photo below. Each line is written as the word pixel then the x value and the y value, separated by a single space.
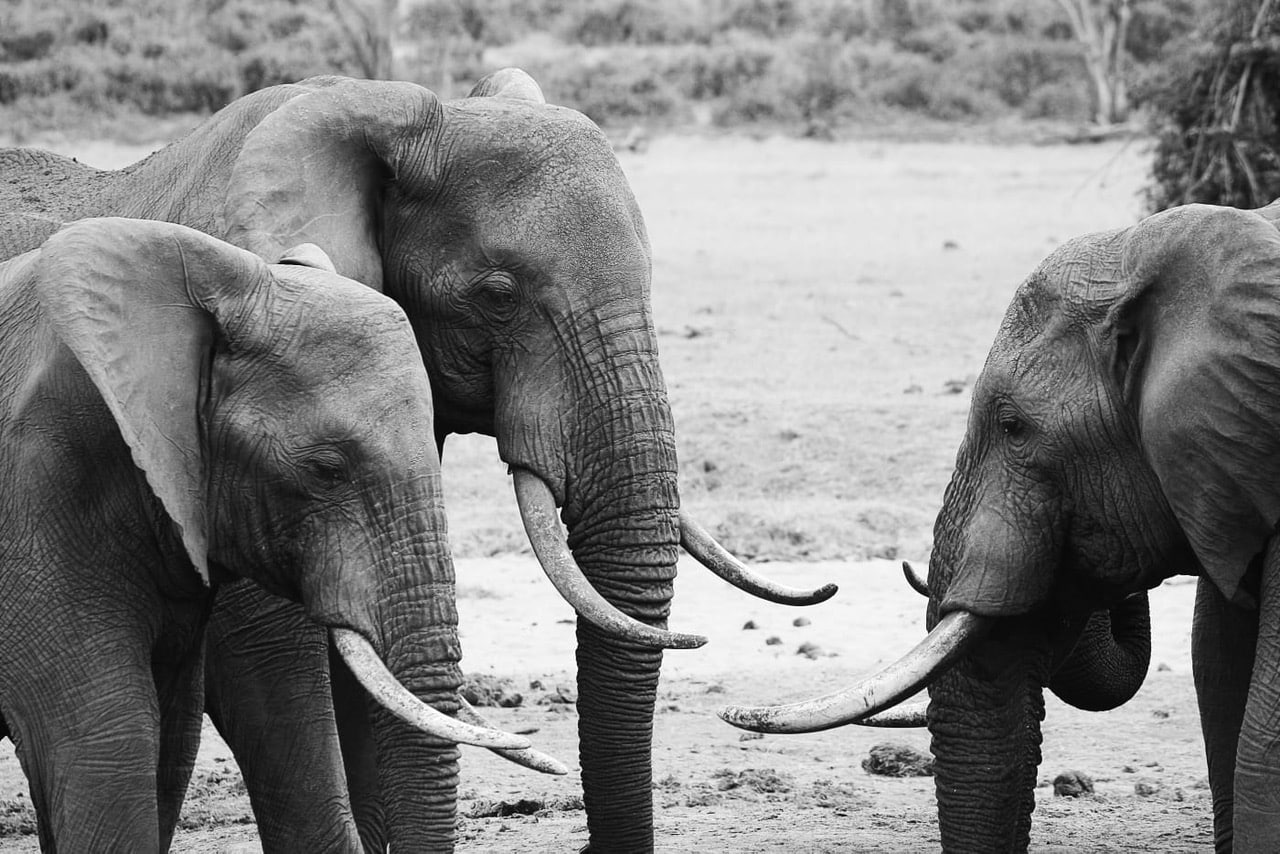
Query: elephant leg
pixel 1257 779
pixel 267 691
pixel 180 692
pixel 1223 638
pixel 89 747
pixel 359 754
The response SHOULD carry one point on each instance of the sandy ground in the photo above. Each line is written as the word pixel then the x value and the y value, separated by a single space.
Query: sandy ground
pixel 822 312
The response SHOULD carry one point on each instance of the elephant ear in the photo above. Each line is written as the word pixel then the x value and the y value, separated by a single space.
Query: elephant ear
pixel 508 83
pixel 313 171
pixel 308 255
pixel 1199 331
pixel 136 303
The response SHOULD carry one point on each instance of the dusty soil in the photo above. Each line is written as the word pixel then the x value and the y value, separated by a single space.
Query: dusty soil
pixel 823 310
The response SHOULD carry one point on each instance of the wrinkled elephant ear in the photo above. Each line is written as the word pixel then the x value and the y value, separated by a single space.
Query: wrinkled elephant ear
pixel 1197 337
pixel 135 301
pixel 308 255
pixel 508 83
pixel 313 171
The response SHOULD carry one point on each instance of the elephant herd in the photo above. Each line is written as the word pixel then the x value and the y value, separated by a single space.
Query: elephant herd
pixel 227 374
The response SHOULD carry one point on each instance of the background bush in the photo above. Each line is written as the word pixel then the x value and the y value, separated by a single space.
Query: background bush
pixel 801 64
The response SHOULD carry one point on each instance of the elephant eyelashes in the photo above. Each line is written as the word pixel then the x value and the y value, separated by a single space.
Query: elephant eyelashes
pixel 328 468
pixel 1011 424
pixel 499 297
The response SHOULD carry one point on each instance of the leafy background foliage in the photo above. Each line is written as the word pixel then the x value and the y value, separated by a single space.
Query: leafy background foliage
pixel 810 67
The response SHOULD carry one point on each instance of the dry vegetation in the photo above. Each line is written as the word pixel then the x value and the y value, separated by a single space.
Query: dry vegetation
pixel 819 67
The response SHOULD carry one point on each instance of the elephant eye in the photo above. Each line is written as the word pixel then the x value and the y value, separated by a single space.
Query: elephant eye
pixel 499 297
pixel 1012 424
pixel 327 466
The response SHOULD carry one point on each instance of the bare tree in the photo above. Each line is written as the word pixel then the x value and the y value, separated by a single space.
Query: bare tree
pixel 1101 26
pixel 370 28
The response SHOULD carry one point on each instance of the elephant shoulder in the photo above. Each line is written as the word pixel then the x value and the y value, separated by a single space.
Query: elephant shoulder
pixel 33 181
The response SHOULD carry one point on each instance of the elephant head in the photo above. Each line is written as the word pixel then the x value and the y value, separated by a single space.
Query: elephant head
pixel 282 417
pixel 506 229
pixel 1122 431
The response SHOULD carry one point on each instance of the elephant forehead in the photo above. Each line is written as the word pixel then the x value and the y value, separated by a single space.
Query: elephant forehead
pixel 324 325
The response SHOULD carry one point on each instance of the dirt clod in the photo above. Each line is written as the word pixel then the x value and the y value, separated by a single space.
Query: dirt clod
pixel 773 640
pixel 562 695
pixel 1072 784
pixel 763 781
pixel 897 760
pixel 800 621
pixel 749 625
pixel 810 651
pixel 1145 788
pixel 484 690
pixel 523 806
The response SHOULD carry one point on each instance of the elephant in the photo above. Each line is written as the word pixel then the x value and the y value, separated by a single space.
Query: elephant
pixel 1123 431
pixel 505 228
pixel 178 414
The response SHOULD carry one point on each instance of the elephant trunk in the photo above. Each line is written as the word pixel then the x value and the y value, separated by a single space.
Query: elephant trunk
pixel 1109 662
pixel 986 745
pixel 985 712
pixel 622 512
pixel 418 619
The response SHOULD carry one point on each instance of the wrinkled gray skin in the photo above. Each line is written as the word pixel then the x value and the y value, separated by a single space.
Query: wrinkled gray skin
pixel 506 230
pixel 1124 429
pixel 177 413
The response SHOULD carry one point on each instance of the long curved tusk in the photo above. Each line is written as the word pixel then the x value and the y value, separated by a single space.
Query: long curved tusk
pixel 698 542
pixel 397 699
pixel 906 716
pixel 538 510
pixel 917 583
pixel 535 760
pixel 948 641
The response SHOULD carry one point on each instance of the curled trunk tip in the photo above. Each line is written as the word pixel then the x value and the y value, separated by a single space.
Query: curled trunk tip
pixel 699 543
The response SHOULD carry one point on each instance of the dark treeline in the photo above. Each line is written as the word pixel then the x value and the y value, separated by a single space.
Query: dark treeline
pixel 804 65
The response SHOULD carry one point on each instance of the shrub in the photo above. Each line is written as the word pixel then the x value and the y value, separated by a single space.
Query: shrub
pixel 1013 68
pixel 612 89
pixel 634 22
pixel 1217 113
pixel 725 69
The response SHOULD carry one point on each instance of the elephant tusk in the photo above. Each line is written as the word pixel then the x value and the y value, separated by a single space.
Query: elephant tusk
pixel 949 640
pixel 383 686
pixel 917 583
pixel 899 717
pixel 534 760
pixel 698 542
pixel 538 510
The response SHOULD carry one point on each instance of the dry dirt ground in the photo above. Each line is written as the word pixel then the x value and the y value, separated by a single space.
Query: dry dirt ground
pixel 822 311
